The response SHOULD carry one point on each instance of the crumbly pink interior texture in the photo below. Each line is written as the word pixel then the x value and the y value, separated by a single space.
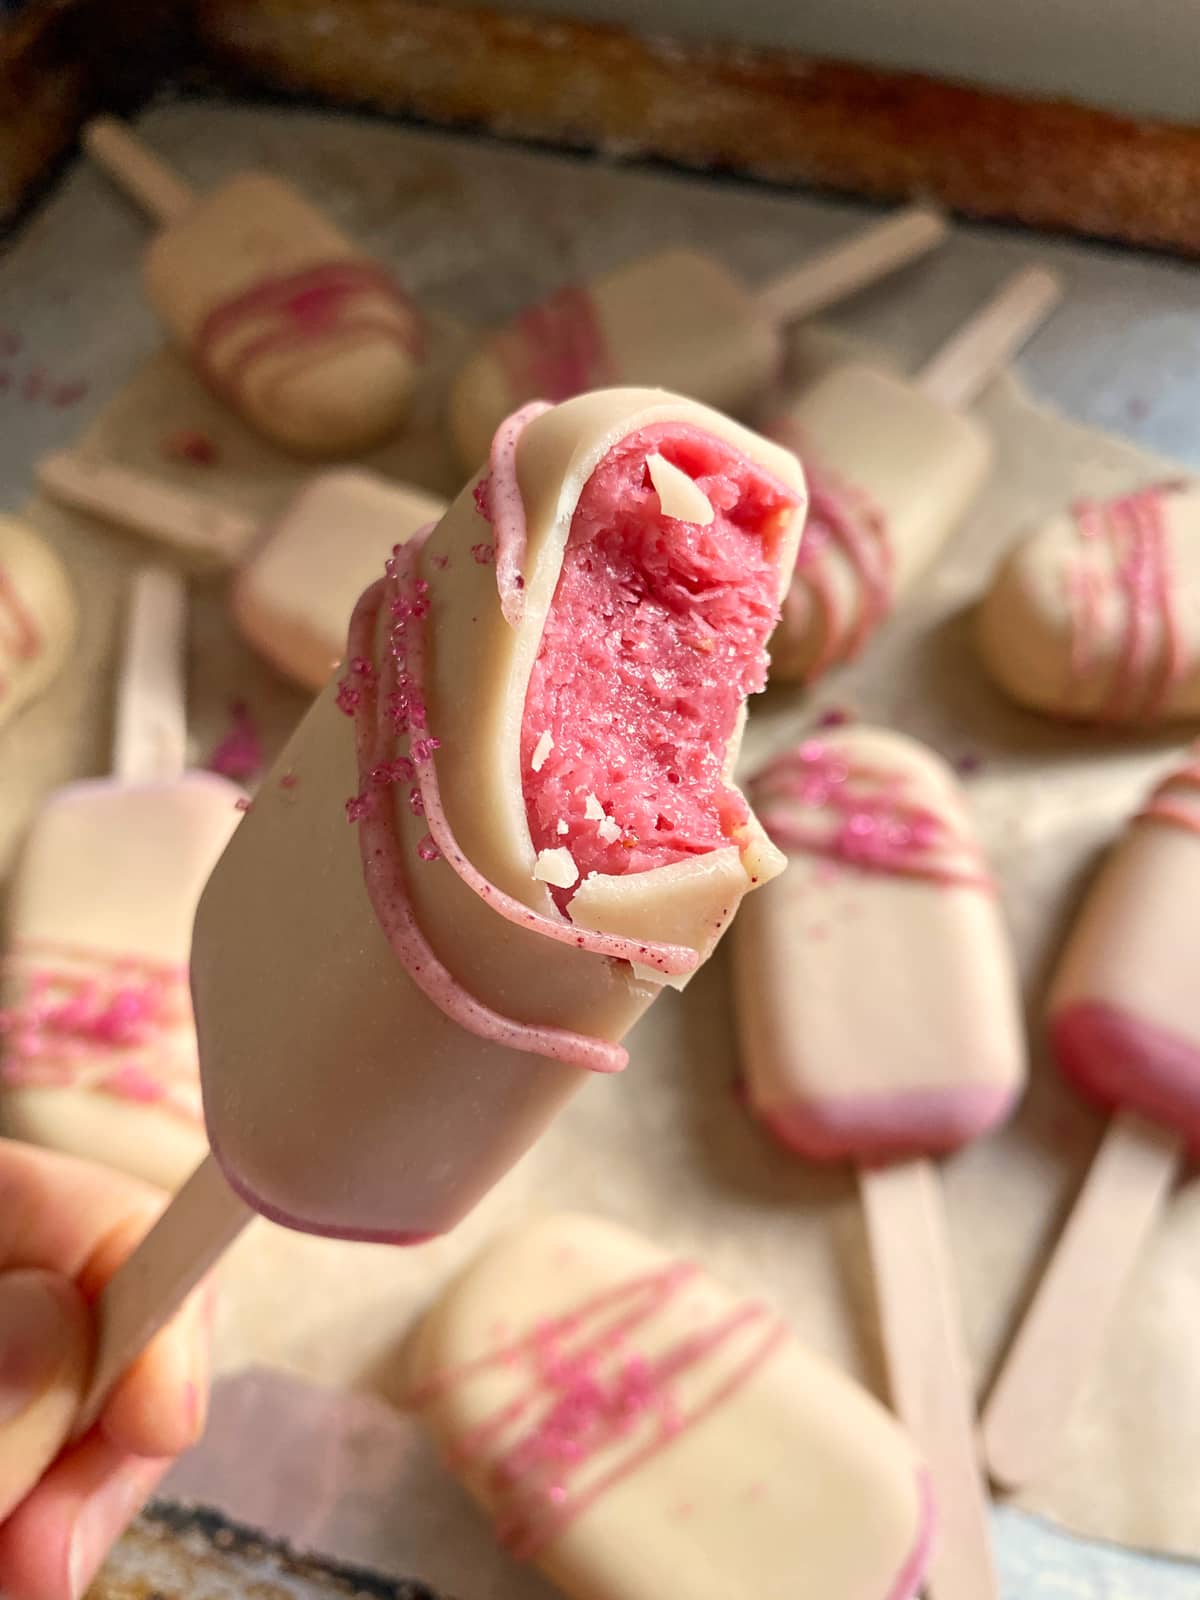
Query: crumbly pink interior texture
pixel 656 634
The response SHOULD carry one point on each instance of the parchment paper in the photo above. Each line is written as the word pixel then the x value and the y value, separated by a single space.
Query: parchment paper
pixel 667 1148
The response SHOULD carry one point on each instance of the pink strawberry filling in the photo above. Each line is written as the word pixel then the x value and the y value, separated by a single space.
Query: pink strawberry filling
pixel 655 636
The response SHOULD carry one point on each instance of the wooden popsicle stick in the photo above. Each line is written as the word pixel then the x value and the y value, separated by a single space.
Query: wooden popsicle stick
pixel 161 193
pixel 1064 1329
pixel 186 522
pixel 928 1369
pixel 187 1241
pixel 872 253
pixel 986 342
pixel 150 737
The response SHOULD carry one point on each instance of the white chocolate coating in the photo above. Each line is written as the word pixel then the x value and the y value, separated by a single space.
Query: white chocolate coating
pixel 1098 618
pixel 745 1467
pixel 326 369
pixel 37 616
pixel 878 1006
pixel 678 320
pixel 293 598
pixel 339 1096
pixel 910 464
pixel 101 914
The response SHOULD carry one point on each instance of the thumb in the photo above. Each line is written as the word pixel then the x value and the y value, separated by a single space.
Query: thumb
pixel 45 1354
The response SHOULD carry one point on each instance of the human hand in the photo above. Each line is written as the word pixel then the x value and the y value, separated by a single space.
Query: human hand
pixel 65 1227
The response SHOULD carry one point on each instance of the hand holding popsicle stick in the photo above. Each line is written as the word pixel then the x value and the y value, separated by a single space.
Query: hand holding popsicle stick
pixel 347 921
pixel 313 343
pixel 886 886
pixel 893 467
pixel 1125 1027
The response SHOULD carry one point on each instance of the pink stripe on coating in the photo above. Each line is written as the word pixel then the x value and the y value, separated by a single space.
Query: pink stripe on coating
pixel 505 509
pixel 814 799
pixel 557 348
pixel 332 300
pixel 1152 654
pixel 841 517
pixel 1120 1059
pixel 591 1391
pixel 892 1125
pixel 1174 800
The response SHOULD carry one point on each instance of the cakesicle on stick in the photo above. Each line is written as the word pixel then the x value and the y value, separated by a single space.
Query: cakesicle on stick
pixel 880 1024
pixel 1096 615
pixel 678 319
pixel 621 1416
pixel 493 838
pixel 309 340
pixel 37 616
pixel 893 465
pixel 297 577
pixel 97 1046
pixel 1124 1019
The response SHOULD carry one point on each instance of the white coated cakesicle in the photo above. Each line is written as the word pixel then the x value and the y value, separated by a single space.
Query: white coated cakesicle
pixel 297 578
pixel 1096 615
pixel 893 466
pixel 1124 1023
pixel 38 618
pixel 97 1043
pixel 679 319
pixel 636 1428
pixel 880 1023
pixel 385 901
pixel 313 343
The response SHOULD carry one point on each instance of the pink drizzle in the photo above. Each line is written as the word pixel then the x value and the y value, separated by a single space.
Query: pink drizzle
pixel 498 498
pixel 842 518
pixel 345 300
pixel 1152 654
pixel 815 799
pixel 94 1021
pixel 589 1391
pixel 388 703
pixel 557 348
pixel 1175 799
pixel 20 637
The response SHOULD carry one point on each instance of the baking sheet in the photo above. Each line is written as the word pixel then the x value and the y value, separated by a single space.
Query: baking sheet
pixel 478 229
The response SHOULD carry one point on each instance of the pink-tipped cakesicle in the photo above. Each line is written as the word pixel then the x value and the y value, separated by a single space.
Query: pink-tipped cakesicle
pixel 308 339
pixel 38 619
pixel 499 831
pixel 1096 616
pixel 679 319
pixel 893 466
pixel 1124 1018
pixel 97 1045
pixel 297 577
pixel 622 1415
pixel 880 1024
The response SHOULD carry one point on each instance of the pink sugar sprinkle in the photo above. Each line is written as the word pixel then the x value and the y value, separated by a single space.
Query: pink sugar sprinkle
pixel 427 850
pixel 416 803
pixel 289 780
pixel 362 668
pixel 482 497
pixel 191 445
pixel 357 807
pixel 485 554
pixel 835 717
pixel 239 755
pixel 423 748
pixel 347 697
pixel 243 804
pixel 68 394
pixel 439 562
